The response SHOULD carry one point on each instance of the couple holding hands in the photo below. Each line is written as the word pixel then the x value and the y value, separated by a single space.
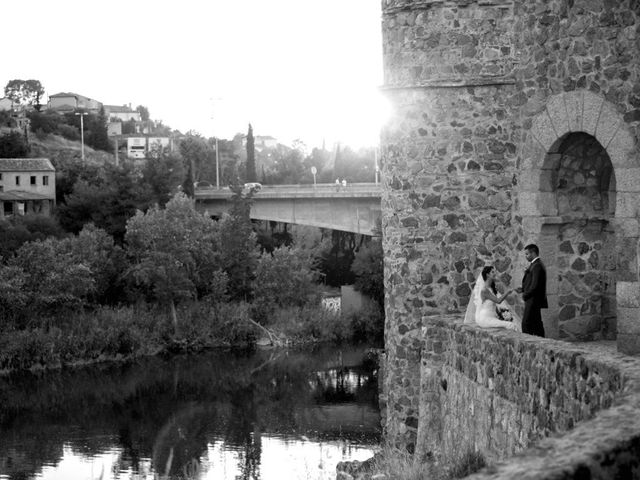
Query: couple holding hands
pixel 489 310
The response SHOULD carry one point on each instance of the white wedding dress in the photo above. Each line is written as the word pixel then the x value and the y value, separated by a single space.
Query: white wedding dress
pixel 483 313
pixel 486 317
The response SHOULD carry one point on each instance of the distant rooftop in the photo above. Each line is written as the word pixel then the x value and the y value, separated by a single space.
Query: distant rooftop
pixel 119 109
pixel 71 94
pixel 26 165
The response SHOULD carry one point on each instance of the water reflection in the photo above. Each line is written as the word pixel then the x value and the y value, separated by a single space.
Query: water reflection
pixel 221 415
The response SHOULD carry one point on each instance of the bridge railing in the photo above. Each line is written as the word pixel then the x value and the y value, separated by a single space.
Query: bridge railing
pixel 294 190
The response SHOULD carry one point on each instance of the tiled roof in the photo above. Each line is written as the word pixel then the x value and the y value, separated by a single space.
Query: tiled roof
pixel 65 94
pixel 25 165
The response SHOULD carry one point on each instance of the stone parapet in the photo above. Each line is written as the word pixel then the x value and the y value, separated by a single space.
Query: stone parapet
pixel 503 393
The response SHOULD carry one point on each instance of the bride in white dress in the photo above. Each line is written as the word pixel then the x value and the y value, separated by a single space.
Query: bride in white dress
pixel 484 300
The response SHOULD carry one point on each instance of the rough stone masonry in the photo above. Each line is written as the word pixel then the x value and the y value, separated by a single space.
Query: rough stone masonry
pixel 513 121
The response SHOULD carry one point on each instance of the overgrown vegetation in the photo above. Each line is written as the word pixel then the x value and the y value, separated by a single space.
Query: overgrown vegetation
pixel 177 280
pixel 401 465
pixel 128 267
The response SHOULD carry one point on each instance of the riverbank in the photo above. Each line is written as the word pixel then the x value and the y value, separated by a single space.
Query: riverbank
pixel 117 334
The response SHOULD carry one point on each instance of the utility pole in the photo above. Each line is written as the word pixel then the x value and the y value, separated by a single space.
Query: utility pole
pixel 82 114
pixel 115 139
pixel 217 166
pixel 375 159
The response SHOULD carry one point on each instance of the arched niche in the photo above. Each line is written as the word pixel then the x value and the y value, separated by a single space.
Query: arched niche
pixel 579 197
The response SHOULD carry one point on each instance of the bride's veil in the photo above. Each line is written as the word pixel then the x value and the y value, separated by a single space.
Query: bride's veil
pixel 474 301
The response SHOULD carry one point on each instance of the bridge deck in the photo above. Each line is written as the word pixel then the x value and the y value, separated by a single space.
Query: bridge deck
pixel 354 208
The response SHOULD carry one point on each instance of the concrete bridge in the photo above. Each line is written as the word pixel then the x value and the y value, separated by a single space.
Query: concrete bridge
pixel 354 208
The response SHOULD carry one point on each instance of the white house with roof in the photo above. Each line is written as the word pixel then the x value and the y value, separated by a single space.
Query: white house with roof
pixel 139 146
pixel 68 102
pixel 27 186
pixel 123 113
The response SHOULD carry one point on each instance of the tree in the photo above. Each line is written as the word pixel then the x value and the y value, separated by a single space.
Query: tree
pixel 144 112
pixel 53 279
pixel 19 229
pixel 108 201
pixel 251 157
pixel 238 246
pixel 163 173
pixel 13 145
pixel 95 249
pixel 286 278
pixel 368 269
pixel 96 135
pixel 174 251
pixel 199 157
pixel 24 92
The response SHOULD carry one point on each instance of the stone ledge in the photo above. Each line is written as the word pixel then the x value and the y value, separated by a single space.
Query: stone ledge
pixel 605 446
pixel 454 83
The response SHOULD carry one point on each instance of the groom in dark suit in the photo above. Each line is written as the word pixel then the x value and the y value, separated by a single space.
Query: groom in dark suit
pixel 534 292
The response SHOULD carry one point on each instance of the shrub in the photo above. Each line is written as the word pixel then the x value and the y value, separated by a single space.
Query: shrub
pixel 44 122
pixel 68 132
pixel 285 278
pixel 367 324
pixel 13 145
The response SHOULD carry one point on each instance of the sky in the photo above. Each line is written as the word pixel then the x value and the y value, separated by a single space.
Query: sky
pixel 294 69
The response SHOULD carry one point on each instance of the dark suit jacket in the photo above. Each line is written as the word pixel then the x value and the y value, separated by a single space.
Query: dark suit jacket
pixel 534 284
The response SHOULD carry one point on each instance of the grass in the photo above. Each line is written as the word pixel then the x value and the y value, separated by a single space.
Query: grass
pixel 115 333
pixel 399 464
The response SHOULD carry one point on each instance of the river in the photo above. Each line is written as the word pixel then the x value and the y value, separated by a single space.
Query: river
pixel 223 415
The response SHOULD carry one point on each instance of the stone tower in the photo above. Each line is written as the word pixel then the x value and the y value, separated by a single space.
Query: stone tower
pixel 513 122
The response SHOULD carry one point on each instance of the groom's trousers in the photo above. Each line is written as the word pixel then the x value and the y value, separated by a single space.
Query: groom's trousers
pixel 532 319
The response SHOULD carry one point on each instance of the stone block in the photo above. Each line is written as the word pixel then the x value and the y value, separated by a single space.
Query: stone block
pixel 573 103
pixel 558 114
pixel 548 178
pixel 529 180
pixel 547 203
pixel 532 225
pixel 628 179
pixel 622 149
pixel 591 106
pixel 528 204
pixel 628 294
pixel 553 284
pixel 544 131
pixel 628 344
pixel 628 227
pixel 628 320
pixel 550 322
pixel 608 123
pixel 627 205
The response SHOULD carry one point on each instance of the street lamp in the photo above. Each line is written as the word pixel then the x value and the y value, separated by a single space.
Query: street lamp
pixel 82 114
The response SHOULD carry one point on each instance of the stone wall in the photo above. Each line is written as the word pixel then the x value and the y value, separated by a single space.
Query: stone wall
pixel 490 99
pixel 500 393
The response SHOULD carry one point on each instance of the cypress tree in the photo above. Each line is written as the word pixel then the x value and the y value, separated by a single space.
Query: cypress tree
pixel 251 157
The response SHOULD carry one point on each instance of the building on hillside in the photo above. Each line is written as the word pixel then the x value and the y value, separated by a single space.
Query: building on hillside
pixel 27 186
pixel 138 146
pixel 123 113
pixel 114 129
pixel 261 142
pixel 68 102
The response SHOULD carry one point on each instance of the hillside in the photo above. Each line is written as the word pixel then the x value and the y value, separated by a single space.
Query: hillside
pixel 60 150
